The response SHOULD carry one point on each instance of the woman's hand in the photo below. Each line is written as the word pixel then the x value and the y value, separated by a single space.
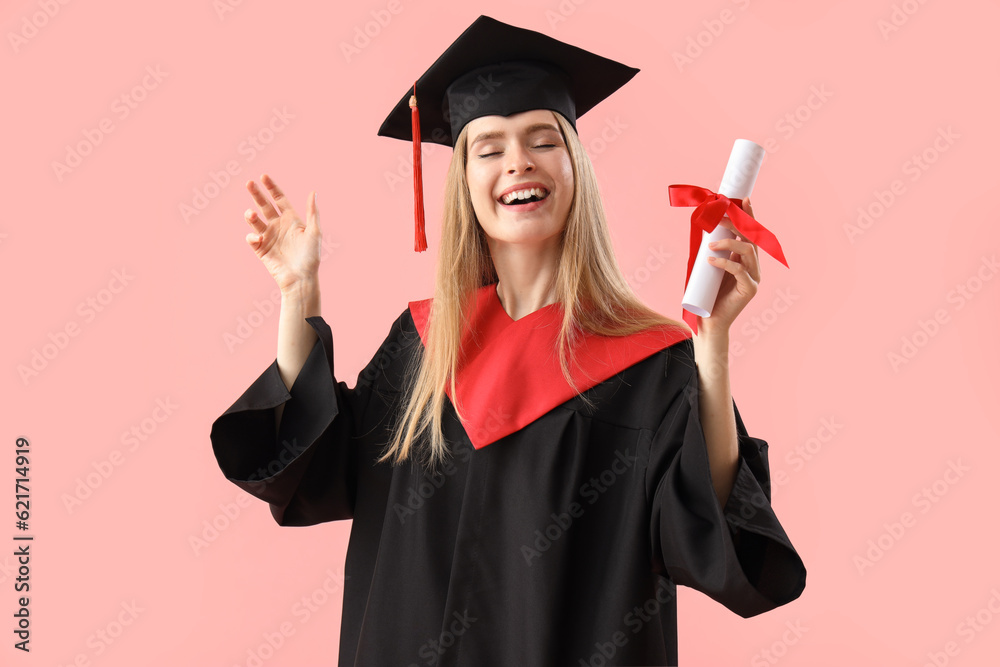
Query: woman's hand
pixel 739 285
pixel 289 248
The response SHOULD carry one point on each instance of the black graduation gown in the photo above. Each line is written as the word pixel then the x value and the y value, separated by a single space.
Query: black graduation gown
pixel 558 544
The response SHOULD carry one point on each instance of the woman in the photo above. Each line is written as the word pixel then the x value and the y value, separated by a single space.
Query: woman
pixel 592 458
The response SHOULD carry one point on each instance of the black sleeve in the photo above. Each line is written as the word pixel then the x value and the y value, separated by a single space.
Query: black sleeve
pixel 307 472
pixel 738 555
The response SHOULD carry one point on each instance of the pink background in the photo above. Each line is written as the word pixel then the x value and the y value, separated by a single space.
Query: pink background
pixel 825 358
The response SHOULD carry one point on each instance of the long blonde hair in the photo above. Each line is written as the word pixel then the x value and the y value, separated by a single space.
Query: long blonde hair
pixel 594 295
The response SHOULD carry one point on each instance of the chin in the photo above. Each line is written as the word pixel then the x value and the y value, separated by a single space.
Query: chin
pixel 526 235
pixel 523 230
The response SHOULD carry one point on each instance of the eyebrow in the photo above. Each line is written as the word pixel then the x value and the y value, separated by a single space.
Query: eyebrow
pixel 498 134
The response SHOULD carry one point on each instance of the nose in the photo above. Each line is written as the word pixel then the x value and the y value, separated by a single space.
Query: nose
pixel 519 159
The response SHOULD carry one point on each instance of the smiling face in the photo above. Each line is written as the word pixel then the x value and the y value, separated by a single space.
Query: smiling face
pixel 520 177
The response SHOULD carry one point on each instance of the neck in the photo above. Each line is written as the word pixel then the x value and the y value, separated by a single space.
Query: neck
pixel 527 277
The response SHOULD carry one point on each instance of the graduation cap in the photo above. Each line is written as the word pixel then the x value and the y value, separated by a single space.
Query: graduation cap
pixel 497 69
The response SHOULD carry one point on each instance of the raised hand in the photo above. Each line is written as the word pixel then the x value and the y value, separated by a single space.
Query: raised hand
pixel 739 284
pixel 288 247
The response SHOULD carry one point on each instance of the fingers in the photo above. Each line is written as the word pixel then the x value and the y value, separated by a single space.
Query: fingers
pixel 744 252
pixel 262 201
pixel 738 270
pixel 254 221
pixel 728 224
pixel 279 197
pixel 253 240
pixel 753 263
pixel 312 214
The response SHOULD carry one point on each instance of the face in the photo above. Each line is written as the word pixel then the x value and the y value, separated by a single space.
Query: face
pixel 518 154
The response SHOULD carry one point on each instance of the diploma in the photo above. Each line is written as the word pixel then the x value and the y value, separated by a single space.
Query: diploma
pixel 737 183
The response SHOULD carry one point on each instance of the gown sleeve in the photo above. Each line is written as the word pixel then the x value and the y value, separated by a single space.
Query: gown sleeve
pixel 739 555
pixel 307 471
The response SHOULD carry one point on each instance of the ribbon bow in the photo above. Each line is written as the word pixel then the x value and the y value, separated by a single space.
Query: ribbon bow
pixel 710 208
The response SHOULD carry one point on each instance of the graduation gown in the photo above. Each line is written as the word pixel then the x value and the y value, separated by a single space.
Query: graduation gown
pixel 555 534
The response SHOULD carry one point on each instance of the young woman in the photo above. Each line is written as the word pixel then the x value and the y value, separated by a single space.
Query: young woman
pixel 533 460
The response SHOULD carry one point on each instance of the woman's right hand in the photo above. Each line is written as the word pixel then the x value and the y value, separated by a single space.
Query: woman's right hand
pixel 289 248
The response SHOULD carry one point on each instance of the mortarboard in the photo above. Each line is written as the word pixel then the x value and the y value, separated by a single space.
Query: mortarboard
pixel 497 69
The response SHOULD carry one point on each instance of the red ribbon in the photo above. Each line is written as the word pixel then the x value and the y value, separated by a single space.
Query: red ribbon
pixel 710 208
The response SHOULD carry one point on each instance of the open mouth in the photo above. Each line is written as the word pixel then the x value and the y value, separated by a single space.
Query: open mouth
pixel 523 197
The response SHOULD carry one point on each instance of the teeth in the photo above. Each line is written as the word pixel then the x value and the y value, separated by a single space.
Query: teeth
pixel 523 194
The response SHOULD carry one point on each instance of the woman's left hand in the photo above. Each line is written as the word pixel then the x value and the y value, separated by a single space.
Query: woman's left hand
pixel 739 284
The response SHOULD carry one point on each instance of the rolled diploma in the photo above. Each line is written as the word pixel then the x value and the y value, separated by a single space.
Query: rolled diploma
pixel 737 183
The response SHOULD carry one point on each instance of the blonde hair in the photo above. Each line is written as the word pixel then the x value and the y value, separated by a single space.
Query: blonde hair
pixel 594 295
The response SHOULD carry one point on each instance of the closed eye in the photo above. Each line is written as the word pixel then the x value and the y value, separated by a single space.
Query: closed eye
pixel 486 155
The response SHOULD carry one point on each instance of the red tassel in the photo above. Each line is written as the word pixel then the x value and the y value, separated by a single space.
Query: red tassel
pixel 420 241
